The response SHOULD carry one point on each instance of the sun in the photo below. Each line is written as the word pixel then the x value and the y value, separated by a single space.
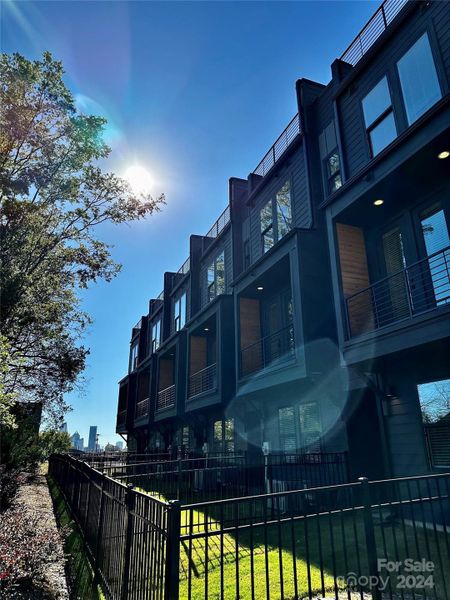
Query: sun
pixel 139 179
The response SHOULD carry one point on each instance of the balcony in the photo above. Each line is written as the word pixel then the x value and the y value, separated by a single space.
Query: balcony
pixel 274 349
pixel 203 381
pixel 142 408
pixel 420 288
pixel 166 398
pixel 121 418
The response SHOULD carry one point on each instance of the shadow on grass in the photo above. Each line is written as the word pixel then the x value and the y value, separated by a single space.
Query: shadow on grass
pixel 79 571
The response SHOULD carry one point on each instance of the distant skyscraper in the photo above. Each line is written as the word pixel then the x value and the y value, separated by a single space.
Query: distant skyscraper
pixel 63 427
pixel 92 438
pixel 119 445
pixel 77 441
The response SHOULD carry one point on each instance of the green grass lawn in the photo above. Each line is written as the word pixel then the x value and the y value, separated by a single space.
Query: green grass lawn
pixel 295 557
pixel 81 575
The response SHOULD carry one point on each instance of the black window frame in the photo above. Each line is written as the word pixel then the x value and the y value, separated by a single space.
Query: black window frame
pixel 330 176
pixel 179 320
pixel 381 117
pixel 155 343
pixel 212 285
pixel 134 356
pixel 273 225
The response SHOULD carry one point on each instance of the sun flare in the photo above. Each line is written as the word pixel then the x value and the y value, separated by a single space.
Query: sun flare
pixel 139 179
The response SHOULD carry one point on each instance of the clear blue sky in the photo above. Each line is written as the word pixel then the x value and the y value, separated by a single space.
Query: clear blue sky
pixel 194 91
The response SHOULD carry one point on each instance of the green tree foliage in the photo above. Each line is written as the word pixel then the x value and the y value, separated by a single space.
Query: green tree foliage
pixel 53 196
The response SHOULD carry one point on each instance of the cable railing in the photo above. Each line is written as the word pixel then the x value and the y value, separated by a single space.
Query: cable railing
pixel 279 147
pixel 166 398
pixel 270 350
pixel 414 290
pixel 373 29
pixel 142 408
pixel 185 267
pixel 220 224
pixel 121 417
pixel 203 381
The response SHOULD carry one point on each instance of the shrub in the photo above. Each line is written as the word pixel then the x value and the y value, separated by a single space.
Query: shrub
pixel 25 549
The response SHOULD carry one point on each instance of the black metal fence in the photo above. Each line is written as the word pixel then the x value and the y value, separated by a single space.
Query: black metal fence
pixel 230 475
pixel 380 540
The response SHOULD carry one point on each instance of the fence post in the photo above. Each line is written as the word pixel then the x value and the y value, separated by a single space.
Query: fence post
pixel 370 536
pixel 178 478
pixel 129 503
pixel 172 568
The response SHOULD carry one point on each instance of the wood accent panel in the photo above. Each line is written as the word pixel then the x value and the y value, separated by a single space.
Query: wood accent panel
pixel 198 354
pixel 143 385
pixel 355 277
pixel 165 373
pixel 250 321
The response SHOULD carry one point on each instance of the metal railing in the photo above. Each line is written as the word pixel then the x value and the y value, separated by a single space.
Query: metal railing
pixel 142 408
pixel 268 351
pixel 166 398
pixel 185 267
pixel 220 224
pixel 203 381
pixel 308 542
pixel 373 29
pixel 121 417
pixel 419 288
pixel 279 147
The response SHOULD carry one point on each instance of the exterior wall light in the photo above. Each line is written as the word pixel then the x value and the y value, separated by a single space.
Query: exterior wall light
pixel 378 202
pixel 206 329
pixel 444 154
pixel 260 288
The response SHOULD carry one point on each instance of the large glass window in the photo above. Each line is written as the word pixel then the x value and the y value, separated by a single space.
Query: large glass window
pixel 284 213
pixel 333 171
pixel 310 426
pixel 418 79
pixel 216 277
pixel 156 336
pixel 223 436
pixel 329 155
pixel 180 312
pixel 276 217
pixel 379 117
pixel 434 400
pixel 133 357
pixel 437 245
pixel 286 424
pixel 267 236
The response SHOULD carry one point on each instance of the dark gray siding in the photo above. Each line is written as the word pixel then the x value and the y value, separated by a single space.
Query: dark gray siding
pixel 186 287
pixel 435 20
pixel 223 245
pixel 294 170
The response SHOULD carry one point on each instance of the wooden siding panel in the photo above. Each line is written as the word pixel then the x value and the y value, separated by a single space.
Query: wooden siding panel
pixel 198 354
pixel 165 373
pixel 250 327
pixel 355 276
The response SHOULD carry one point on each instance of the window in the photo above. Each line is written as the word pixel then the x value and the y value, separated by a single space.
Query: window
pixel 133 357
pixel 284 214
pixel 310 426
pixel 286 424
pixel 180 312
pixel 333 172
pixel 434 400
pixel 280 206
pixel 379 117
pixel 224 435
pixel 216 277
pixel 418 79
pixel 437 244
pixel 331 161
pixel 156 336
pixel 267 237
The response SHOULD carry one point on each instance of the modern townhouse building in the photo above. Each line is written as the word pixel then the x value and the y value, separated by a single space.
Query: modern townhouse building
pixel 319 301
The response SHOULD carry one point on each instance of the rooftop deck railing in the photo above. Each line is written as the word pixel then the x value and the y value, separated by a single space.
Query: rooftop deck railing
pixel 166 398
pixel 279 147
pixel 160 296
pixel 373 29
pixel 203 381
pixel 416 289
pixel 220 224
pixel 268 351
pixel 185 267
